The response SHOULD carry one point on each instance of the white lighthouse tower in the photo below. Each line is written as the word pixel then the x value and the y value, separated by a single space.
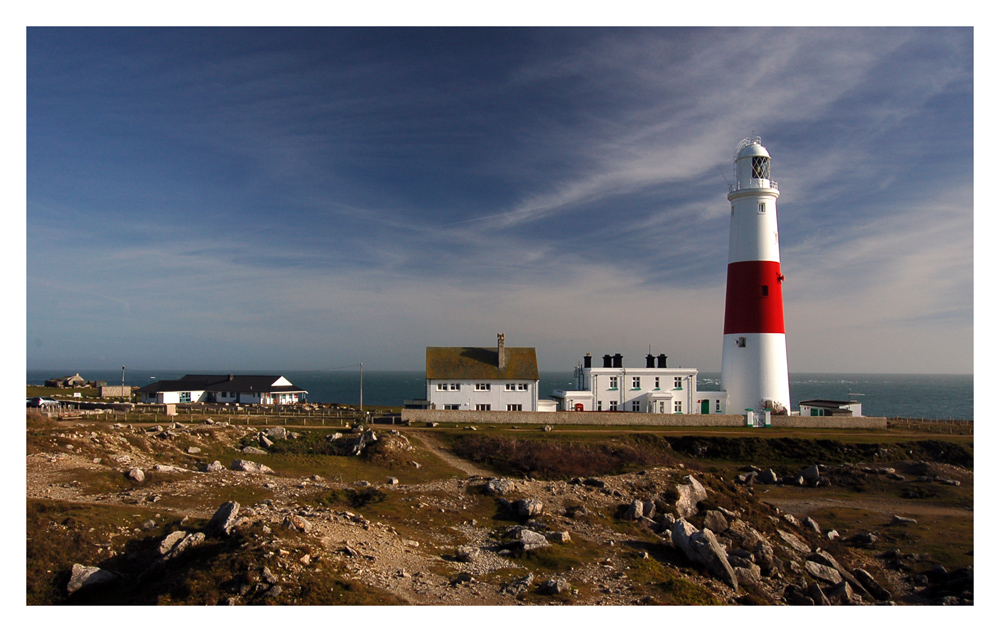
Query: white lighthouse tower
pixel 754 360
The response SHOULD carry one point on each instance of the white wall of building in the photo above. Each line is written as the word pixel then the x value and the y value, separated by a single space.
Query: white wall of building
pixel 477 394
pixel 645 390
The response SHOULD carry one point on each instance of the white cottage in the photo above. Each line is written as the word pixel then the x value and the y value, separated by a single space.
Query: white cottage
pixel 482 378
pixel 654 388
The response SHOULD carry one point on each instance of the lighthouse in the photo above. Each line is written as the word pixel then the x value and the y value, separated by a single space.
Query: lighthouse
pixel 754 359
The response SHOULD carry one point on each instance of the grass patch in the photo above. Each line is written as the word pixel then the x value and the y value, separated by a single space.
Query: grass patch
pixel 562 458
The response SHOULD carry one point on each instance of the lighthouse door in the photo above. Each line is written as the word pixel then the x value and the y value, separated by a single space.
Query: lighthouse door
pixel 704 406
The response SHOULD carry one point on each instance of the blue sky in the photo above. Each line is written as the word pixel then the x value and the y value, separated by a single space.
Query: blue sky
pixel 250 199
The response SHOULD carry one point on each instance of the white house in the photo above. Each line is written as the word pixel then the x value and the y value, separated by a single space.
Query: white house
pixel 652 389
pixel 482 378
pixel 223 389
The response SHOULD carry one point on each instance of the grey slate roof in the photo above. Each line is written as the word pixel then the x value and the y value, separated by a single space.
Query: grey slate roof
pixel 222 383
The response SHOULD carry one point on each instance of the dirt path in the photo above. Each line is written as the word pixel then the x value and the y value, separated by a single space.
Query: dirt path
pixel 429 442
pixel 889 508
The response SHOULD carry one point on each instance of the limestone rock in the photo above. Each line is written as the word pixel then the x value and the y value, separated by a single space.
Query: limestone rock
pixel 715 521
pixel 499 486
pixel 871 585
pixel 840 593
pixel 711 554
pixel 555 586
pixel 278 433
pixel 188 541
pixel 812 524
pixel 214 466
pixel 224 519
pixel 823 572
pixel 241 465
pixel 794 541
pixel 82 576
pixel 298 523
pixel 817 594
pixel 136 475
pixel 528 507
pixel 767 477
pixel 170 541
pixel 689 497
pixel 634 511
pixel 467 553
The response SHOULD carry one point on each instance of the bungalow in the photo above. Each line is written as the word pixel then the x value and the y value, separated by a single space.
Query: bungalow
pixel 223 389
pixel 829 408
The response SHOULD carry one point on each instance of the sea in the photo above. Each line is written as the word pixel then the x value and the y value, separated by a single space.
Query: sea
pixel 916 396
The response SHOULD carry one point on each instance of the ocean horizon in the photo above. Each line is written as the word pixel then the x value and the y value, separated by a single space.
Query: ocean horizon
pixel 927 396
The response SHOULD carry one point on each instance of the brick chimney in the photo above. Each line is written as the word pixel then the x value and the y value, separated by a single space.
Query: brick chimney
pixel 501 354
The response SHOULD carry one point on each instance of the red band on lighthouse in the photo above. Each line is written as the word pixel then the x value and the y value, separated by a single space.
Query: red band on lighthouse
pixel 753 298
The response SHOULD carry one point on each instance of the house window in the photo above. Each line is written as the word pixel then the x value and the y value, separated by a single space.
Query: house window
pixel 635 407
pixel 509 387
pixel 599 404
pixel 661 407
pixel 442 387
pixel 455 387
pixel 185 398
pixel 451 406
pixel 677 407
pixel 678 383
pixel 522 387
pixel 613 382
pixel 482 387
pixel 718 406
pixel 513 406
pixel 656 383
pixel 636 382
pixel 613 406
pixel 482 406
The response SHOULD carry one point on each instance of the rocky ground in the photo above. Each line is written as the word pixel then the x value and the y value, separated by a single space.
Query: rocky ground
pixel 203 510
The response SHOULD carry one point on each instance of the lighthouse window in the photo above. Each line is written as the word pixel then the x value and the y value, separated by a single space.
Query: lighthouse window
pixel 741 341
pixel 763 290
pixel 761 168
pixel 761 208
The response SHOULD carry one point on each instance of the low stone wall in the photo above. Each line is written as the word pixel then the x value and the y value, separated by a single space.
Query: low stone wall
pixel 606 418
pixel 796 421
pixel 628 419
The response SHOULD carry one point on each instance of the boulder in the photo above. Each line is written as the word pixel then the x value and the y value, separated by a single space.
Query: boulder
pixel 794 541
pixel 520 585
pixel 499 486
pixel 241 465
pixel 253 450
pixel 902 520
pixel 873 587
pixel 680 535
pixel 528 507
pixel 528 540
pixel 170 541
pixel 812 524
pixel 689 496
pixel 710 553
pixel 747 574
pixel 190 540
pixel 822 557
pixel 634 511
pixel 82 576
pixel 224 519
pixel 767 477
pixel 823 572
pixel 810 473
pixel 554 586
pixel 840 593
pixel 817 594
pixel 763 554
pixel 715 521
pixel 467 553
pixel 214 466
pixel 136 475
pixel 298 523
pixel 278 433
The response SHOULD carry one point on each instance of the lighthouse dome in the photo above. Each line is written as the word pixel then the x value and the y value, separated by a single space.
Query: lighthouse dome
pixel 751 147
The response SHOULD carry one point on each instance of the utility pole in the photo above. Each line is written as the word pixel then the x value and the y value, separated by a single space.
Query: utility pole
pixel 123 382
pixel 361 392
